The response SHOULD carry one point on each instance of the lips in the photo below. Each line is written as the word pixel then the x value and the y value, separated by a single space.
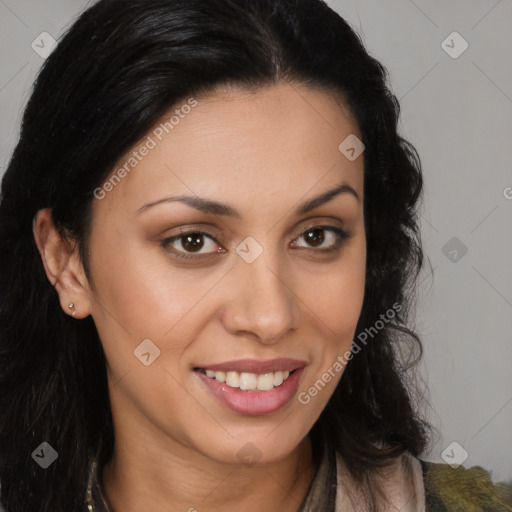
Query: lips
pixel 249 390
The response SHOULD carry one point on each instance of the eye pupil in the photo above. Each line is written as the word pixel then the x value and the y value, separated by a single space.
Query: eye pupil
pixel 314 236
pixel 193 242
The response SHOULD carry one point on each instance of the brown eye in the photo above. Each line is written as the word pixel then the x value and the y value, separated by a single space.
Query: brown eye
pixel 316 236
pixel 190 244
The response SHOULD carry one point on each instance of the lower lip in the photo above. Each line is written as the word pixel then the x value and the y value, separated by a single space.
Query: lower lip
pixel 254 403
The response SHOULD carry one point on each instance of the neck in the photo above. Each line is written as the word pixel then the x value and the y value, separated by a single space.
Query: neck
pixel 183 480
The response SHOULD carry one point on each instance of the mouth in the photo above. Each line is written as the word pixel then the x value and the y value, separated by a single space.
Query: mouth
pixel 251 387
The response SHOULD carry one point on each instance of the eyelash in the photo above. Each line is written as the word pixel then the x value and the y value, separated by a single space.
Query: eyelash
pixel 341 236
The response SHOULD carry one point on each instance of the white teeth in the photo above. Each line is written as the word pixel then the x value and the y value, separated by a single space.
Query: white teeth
pixel 266 382
pixel 250 381
pixel 278 378
pixel 233 379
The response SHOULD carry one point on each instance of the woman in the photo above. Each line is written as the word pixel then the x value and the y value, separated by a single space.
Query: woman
pixel 209 247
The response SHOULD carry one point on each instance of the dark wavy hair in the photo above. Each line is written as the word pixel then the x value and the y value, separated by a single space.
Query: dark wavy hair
pixel 115 72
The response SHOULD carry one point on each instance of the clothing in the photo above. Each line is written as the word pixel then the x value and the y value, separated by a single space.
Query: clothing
pixel 461 489
pixel 334 490
pixel 411 484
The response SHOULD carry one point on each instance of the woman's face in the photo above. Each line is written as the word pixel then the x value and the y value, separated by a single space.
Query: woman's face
pixel 266 280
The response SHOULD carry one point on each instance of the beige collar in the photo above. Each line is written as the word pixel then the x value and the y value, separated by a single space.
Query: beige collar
pixel 402 484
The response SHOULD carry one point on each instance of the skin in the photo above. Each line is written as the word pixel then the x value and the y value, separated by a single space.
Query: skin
pixel 263 153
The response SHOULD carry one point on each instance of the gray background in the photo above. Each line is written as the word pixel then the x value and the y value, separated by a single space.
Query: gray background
pixel 457 112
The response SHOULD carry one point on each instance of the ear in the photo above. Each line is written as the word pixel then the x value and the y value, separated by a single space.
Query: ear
pixel 63 266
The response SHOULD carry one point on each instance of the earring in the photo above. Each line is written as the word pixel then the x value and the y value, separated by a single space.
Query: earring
pixel 72 306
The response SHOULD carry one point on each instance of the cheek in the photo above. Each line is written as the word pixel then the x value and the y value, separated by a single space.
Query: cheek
pixel 140 296
pixel 337 298
pixel 336 302
pixel 142 291
pixel 140 305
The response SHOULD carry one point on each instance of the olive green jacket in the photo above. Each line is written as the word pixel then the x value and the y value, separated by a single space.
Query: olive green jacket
pixel 450 489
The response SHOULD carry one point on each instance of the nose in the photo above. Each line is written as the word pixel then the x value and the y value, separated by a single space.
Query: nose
pixel 263 304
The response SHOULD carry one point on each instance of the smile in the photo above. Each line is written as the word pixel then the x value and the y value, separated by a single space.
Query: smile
pixel 252 387
pixel 249 381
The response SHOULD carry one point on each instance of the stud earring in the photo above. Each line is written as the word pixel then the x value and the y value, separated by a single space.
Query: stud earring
pixel 72 306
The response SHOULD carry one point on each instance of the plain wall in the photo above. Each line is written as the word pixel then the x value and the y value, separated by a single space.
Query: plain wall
pixel 457 112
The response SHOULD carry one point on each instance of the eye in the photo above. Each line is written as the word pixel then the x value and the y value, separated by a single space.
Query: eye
pixel 315 237
pixel 191 243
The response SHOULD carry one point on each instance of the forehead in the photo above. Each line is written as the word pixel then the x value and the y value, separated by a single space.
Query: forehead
pixel 235 139
pixel 275 106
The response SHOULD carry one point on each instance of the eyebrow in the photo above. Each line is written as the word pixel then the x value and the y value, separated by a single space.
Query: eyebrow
pixel 205 205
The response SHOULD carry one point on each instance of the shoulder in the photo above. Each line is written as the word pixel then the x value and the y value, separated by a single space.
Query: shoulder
pixel 414 485
pixel 401 482
pixel 449 489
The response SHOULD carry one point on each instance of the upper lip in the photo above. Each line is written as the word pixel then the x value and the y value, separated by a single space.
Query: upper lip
pixel 256 366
